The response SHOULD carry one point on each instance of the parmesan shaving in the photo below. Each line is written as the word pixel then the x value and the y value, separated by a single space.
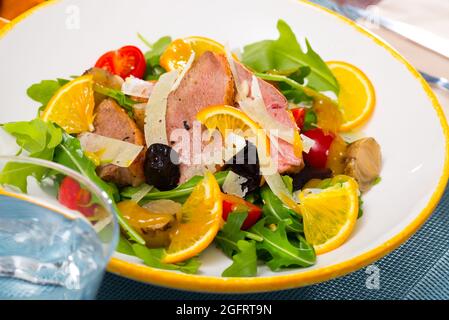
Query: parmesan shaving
pixel 137 87
pixel 307 143
pixel 233 185
pixel 184 71
pixel 110 150
pixel 277 186
pixel 241 94
pixel 155 111
pixel 143 190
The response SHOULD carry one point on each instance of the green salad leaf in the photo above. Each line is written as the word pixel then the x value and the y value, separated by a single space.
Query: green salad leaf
pixel 231 234
pixel 124 246
pixel 124 101
pixel 39 139
pixel 275 211
pixel 310 120
pixel 285 56
pixel 282 252
pixel 153 257
pixel 296 94
pixel 70 154
pixel 360 214
pixel 288 181
pixel 152 56
pixel 44 90
pixel 179 194
pixel 244 262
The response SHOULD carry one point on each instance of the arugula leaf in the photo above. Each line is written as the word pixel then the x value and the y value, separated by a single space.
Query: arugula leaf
pixel 286 56
pixel 377 181
pixel 231 233
pixel 121 98
pixel 124 246
pixel 70 154
pixel 244 262
pixel 288 181
pixel 44 90
pixel 153 257
pixel 360 214
pixel 152 56
pixel 37 137
pixel 275 211
pixel 179 194
pixel 294 95
pixel 282 252
pixel 310 120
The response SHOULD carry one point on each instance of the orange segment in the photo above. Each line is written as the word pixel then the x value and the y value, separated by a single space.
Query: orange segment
pixel 72 106
pixel 178 52
pixel 228 119
pixel 201 220
pixel 357 96
pixel 329 215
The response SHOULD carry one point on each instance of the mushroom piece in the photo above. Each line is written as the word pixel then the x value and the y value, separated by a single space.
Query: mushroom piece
pixel 155 228
pixel 363 162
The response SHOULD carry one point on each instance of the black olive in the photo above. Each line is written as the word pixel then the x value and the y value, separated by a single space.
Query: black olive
pixel 246 164
pixel 161 167
pixel 307 174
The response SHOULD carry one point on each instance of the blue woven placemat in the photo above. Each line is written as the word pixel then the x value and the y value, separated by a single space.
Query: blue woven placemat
pixel 419 269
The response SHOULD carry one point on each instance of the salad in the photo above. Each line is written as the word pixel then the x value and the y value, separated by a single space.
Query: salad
pixel 254 151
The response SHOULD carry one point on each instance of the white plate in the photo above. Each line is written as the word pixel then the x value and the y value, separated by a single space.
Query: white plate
pixel 65 38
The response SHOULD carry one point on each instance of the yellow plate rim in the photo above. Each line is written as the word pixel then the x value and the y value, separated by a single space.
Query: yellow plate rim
pixel 260 284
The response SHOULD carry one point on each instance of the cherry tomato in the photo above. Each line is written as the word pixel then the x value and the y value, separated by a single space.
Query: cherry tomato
pixel 299 114
pixel 318 154
pixel 126 61
pixel 230 203
pixel 68 193
pixel 74 197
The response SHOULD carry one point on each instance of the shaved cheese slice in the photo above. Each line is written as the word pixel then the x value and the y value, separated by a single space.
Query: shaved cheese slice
pixel 110 150
pixel 156 109
pixel 184 71
pixel 137 87
pixel 141 193
pixel 241 92
pixel 233 185
pixel 307 143
pixel 277 186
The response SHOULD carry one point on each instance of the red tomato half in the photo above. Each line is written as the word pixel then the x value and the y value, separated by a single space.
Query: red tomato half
pixel 231 202
pixel 299 114
pixel 317 156
pixel 74 197
pixel 126 61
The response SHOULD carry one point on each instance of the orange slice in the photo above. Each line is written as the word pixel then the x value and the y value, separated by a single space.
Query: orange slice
pixel 178 52
pixel 72 106
pixel 228 119
pixel 357 96
pixel 201 220
pixel 329 215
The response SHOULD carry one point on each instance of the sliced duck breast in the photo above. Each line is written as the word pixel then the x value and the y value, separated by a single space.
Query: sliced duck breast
pixel 113 122
pixel 208 82
pixel 277 107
